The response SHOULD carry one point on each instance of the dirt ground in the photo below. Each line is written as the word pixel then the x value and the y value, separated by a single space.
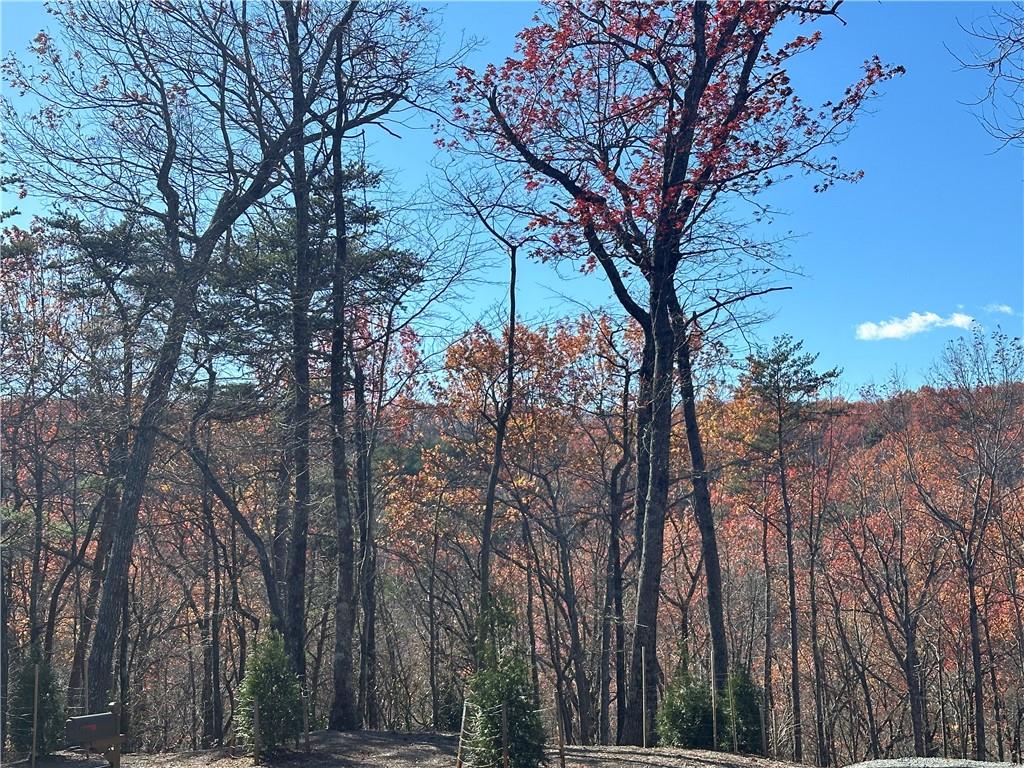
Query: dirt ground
pixel 380 749
pixel 376 749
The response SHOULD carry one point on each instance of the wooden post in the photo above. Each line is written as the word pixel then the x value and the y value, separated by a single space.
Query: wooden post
pixel 113 752
pixel 305 718
pixel 504 735
pixel 714 702
pixel 462 730
pixel 35 717
pixel 643 689
pixel 764 724
pixel 942 704
pixel 732 715
pixel 561 733
pixel 256 731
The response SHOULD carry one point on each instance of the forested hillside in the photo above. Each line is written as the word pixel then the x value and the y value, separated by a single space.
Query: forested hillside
pixel 893 524
pixel 239 397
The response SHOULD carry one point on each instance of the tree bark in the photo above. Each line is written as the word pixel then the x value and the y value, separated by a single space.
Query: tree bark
pixel 530 626
pixel 368 703
pixel 432 634
pixel 643 652
pixel 769 614
pixel 613 655
pixel 994 680
pixel 915 691
pixel 500 426
pixel 605 664
pixel 295 626
pixel 140 458
pixel 978 691
pixel 343 715
pixel 822 751
pixel 705 517
pixel 580 680
pixel 6 588
pixel 794 637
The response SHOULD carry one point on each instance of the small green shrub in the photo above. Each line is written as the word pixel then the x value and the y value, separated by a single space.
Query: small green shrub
pixel 503 679
pixel 684 717
pixel 509 682
pixel 269 679
pixel 743 713
pixel 51 708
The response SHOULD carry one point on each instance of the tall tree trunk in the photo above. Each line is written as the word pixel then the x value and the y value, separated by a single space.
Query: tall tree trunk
pixel 295 627
pixel 940 663
pixel 313 682
pixel 77 695
pixel 620 650
pixel 240 631
pixel 576 656
pixel 605 663
pixel 645 377
pixel 213 705
pixel 530 626
pixel 115 582
pixel 915 691
pixel 282 521
pixel 35 625
pixel 206 689
pixel 435 691
pixel 205 640
pixel 794 637
pixel 215 650
pixel 621 683
pixel 613 655
pixel 704 515
pixel 368 700
pixel 78 552
pixel 7 637
pixel 500 426
pixel 768 709
pixel 821 736
pixel 978 686
pixel 124 673
pixel 643 653
pixel 551 630
pixel 193 713
pixel 994 680
pixel 343 715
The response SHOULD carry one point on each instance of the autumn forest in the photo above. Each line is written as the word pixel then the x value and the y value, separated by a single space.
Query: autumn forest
pixel 242 403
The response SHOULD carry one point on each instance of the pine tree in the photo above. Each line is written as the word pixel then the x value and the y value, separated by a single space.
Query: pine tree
pixel 50 713
pixel 501 696
pixel 270 682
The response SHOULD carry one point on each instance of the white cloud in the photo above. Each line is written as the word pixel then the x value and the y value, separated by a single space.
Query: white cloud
pixel 915 322
pixel 999 309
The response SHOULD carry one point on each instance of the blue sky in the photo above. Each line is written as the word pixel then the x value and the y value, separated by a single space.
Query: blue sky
pixel 933 234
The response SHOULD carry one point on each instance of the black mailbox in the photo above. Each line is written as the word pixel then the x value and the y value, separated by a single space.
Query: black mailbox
pixel 100 732
pixel 92 730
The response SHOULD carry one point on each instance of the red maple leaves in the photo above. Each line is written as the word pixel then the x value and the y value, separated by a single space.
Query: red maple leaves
pixel 633 119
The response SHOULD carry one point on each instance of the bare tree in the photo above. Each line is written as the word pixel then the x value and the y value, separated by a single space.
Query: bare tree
pixel 999 50
pixel 974 430
pixel 173 114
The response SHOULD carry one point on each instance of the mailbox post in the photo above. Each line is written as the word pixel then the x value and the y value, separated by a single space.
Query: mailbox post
pixel 100 732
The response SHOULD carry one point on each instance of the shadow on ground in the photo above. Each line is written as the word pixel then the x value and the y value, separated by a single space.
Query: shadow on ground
pixel 382 749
